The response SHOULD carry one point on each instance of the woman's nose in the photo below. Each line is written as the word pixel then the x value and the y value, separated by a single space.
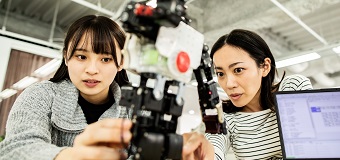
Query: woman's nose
pixel 91 67
pixel 231 82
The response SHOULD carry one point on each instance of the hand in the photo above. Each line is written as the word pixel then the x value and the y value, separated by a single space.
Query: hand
pixel 197 147
pixel 100 140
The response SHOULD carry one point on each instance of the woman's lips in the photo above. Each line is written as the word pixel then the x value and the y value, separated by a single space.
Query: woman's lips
pixel 91 83
pixel 235 96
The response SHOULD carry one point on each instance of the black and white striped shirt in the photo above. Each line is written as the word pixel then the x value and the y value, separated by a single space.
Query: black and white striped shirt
pixel 254 135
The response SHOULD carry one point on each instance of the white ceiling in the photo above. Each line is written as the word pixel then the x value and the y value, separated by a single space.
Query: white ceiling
pixel 286 38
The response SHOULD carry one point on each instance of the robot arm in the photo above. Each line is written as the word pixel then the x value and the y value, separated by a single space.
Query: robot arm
pixel 208 95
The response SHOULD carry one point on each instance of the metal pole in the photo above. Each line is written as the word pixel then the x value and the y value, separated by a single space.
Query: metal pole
pixel 6 16
pixel 54 21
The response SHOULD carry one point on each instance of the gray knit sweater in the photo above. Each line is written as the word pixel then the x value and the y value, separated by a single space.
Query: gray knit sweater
pixel 46 118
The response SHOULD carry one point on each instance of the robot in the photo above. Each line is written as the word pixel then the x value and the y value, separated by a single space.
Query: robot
pixel 161 46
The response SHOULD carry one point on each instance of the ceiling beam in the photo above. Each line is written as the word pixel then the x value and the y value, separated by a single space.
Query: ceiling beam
pixel 28 26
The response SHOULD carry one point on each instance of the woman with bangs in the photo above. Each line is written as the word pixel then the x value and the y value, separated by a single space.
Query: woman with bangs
pixel 75 115
pixel 245 69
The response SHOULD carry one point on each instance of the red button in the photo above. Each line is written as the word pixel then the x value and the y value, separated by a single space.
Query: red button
pixel 148 11
pixel 138 9
pixel 183 61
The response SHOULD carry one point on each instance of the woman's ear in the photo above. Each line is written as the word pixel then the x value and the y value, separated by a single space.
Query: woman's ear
pixel 266 67
pixel 121 64
pixel 65 59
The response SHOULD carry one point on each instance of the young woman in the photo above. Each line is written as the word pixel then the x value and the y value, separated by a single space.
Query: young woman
pixel 75 115
pixel 245 68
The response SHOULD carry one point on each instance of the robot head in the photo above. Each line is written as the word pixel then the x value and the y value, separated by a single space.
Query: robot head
pixel 176 52
pixel 160 41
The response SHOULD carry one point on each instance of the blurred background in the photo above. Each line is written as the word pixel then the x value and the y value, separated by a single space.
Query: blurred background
pixel 304 36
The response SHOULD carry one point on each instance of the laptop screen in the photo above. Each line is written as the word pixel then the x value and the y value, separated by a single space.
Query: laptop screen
pixel 309 123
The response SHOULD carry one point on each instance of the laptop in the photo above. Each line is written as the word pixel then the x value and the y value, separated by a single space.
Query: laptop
pixel 309 123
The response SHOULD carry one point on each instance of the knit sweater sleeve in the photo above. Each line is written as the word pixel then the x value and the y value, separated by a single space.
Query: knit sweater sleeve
pixel 28 128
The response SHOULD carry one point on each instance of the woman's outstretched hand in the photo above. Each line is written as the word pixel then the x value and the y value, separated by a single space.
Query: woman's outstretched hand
pixel 197 147
pixel 100 140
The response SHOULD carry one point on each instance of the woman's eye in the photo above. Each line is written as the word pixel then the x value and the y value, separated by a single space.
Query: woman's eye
pixel 238 70
pixel 106 59
pixel 219 74
pixel 81 57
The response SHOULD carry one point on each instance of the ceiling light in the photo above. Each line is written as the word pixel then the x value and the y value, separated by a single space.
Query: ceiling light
pixel 7 93
pixel 337 49
pixel 298 59
pixel 25 82
pixel 48 68
pixel 29 39
pixel 191 112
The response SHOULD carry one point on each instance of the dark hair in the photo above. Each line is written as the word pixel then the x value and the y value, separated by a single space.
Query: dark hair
pixel 104 32
pixel 258 50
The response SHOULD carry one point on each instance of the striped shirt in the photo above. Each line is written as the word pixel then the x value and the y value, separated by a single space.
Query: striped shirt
pixel 254 135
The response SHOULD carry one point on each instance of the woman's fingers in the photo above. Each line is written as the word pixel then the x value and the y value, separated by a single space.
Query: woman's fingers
pixel 100 140
pixel 191 145
pixel 192 141
pixel 90 152
pixel 115 123
pixel 196 147
pixel 103 153
pixel 99 152
pixel 102 135
pixel 105 131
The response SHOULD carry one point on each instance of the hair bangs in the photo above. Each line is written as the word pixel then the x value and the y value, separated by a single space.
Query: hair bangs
pixel 102 43
pixel 102 40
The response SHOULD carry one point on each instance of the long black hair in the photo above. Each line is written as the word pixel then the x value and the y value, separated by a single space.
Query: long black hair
pixel 258 50
pixel 104 32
